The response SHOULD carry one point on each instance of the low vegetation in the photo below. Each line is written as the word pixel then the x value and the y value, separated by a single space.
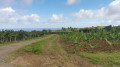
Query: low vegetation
pixel 56 47
pixel 101 45
pixel 36 47
pixel 92 40
pixel 105 59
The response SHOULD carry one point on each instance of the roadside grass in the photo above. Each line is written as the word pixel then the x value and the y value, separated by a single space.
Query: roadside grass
pixel 56 47
pixel 36 47
pixel 104 59
pixel 13 42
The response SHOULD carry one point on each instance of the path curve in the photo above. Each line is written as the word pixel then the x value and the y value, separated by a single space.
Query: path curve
pixel 6 50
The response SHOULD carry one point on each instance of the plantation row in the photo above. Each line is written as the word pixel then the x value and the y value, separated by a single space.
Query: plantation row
pixel 10 35
pixel 93 39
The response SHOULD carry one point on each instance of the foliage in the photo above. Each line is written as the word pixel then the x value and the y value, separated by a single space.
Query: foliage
pixel 108 34
pixel 11 35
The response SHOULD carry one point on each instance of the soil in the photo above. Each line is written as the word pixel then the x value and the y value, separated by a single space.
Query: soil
pixel 102 46
pixel 6 50
pixel 52 58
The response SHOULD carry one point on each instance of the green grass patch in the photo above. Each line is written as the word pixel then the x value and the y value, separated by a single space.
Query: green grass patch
pixel 56 47
pixel 36 47
pixel 13 42
pixel 56 63
pixel 105 59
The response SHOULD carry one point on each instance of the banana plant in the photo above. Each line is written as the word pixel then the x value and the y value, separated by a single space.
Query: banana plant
pixel 95 46
pixel 116 42
pixel 110 43
pixel 75 43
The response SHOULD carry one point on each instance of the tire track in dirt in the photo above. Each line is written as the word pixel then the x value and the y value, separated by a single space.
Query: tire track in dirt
pixel 53 58
pixel 6 50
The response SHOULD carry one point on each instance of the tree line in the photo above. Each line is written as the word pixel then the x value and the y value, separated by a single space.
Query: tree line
pixel 11 35
pixel 89 29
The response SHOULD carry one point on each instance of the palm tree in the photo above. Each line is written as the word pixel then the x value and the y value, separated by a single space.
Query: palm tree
pixel 2 34
pixel 21 34
pixel 7 32
pixel 15 34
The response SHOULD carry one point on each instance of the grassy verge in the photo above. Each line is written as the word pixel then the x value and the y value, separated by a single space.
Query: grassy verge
pixel 104 59
pixel 55 46
pixel 36 47
pixel 13 42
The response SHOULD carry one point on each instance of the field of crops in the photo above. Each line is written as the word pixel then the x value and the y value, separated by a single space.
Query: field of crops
pixel 7 36
pixel 93 41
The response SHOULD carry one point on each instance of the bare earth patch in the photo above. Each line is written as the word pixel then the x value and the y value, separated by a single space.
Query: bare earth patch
pixel 52 58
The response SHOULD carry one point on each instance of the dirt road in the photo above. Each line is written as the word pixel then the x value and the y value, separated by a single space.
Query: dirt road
pixel 53 56
pixel 6 50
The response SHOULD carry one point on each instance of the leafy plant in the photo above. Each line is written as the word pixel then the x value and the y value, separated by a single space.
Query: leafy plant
pixel 110 43
pixel 95 46
pixel 116 42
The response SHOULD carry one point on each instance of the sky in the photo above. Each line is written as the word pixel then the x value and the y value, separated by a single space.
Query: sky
pixel 58 13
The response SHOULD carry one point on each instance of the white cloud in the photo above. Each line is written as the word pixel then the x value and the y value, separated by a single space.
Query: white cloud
pixel 70 2
pixel 8 9
pixel 4 3
pixel 82 14
pixel 9 16
pixel 57 18
pixel 31 18
pixel 109 14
